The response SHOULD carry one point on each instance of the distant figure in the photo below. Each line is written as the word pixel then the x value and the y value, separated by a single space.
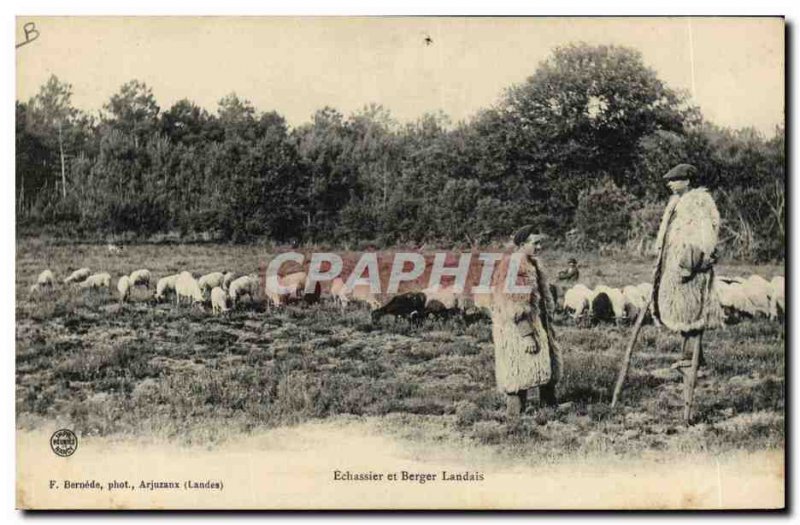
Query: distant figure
pixel 525 351
pixel 570 274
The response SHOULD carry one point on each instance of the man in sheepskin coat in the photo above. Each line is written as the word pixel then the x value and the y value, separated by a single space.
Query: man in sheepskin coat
pixel 525 349
pixel 684 298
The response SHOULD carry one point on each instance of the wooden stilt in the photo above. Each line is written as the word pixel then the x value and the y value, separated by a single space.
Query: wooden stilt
pixel 690 379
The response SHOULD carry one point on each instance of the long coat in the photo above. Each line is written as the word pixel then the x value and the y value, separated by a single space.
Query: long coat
pixel 525 350
pixel 684 298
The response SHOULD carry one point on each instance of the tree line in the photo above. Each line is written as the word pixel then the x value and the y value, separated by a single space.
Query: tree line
pixel 578 150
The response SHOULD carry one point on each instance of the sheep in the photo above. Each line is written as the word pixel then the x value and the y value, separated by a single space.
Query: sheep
pixel 211 280
pixel 446 295
pixel 607 304
pixel 124 286
pixel 410 305
pixel 46 279
pixel 140 278
pixel 219 303
pixel 186 286
pixel 44 282
pixel 734 301
pixel 114 249
pixel 636 299
pixel 576 301
pixel 483 301
pixel 297 281
pixel 758 290
pixel 97 281
pixel 777 298
pixel 227 279
pixel 78 276
pixel 362 293
pixel 340 292
pixel 241 286
pixel 442 301
pixel 294 285
pixel 164 285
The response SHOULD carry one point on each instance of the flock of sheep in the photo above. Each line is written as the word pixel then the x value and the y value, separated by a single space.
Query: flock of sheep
pixel 739 297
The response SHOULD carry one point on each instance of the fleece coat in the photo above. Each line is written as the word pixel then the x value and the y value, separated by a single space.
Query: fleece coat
pixel 684 298
pixel 525 351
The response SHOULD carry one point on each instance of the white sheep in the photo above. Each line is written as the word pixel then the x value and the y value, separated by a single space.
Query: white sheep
pixel 244 285
pixel 164 285
pixel 114 249
pixel 282 290
pixel 211 280
pixel 140 278
pixel 218 300
pixel 78 276
pixel 227 279
pixel 777 298
pixel 97 281
pixel 362 293
pixel 186 286
pixel 758 291
pixel 46 279
pixel 340 292
pixel 733 299
pixel 124 286
pixel 446 295
pixel 577 301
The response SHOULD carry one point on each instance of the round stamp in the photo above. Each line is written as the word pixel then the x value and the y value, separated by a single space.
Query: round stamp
pixel 64 442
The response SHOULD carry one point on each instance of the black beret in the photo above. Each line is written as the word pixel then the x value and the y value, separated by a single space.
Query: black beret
pixel 681 172
pixel 522 235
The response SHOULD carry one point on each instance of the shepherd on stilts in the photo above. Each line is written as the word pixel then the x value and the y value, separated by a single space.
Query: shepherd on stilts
pixel 684 298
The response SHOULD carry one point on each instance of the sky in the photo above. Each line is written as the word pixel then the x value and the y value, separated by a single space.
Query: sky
pixel 733 68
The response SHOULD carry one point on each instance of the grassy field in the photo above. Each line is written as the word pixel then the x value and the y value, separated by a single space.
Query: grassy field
pixel 88 363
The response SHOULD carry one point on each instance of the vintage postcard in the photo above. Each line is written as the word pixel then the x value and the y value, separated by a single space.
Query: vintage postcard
pixel 400 263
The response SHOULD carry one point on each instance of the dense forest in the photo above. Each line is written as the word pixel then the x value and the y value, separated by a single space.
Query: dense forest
pixel 578 150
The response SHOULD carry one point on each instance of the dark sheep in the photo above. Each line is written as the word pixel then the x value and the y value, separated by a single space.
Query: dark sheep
pixel 602 309
pixel 409 305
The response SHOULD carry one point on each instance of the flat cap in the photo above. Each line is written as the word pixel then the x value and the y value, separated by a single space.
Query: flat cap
pixel 681 172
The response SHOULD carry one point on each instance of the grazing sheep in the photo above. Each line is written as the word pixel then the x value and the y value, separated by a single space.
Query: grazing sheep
pixel 446 295
pixel 227 279
pixel 97 281
pixel 758 291
pixel 164 285
pixel 362 293
pixel 410 305
pixel 294 285
pixel 186 286
pixel 46 279
pixel 78 276
pixel 483 301
pixel 777 298
pixel 340 293
pixel 734 301
pixel 607 304
pixel 219 303
pixel 576 301
pixel 241 286
pixel 124 286
pixel 636 298
pixel 140 278
pixel 114 249
pixel 211 280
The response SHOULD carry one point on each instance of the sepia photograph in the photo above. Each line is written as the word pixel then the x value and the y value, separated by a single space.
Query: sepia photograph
pixel 400 263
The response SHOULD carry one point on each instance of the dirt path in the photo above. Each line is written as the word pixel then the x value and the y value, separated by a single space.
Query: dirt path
pixel 295 468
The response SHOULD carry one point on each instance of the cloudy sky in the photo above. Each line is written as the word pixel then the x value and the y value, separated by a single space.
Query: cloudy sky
pixel 733 67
